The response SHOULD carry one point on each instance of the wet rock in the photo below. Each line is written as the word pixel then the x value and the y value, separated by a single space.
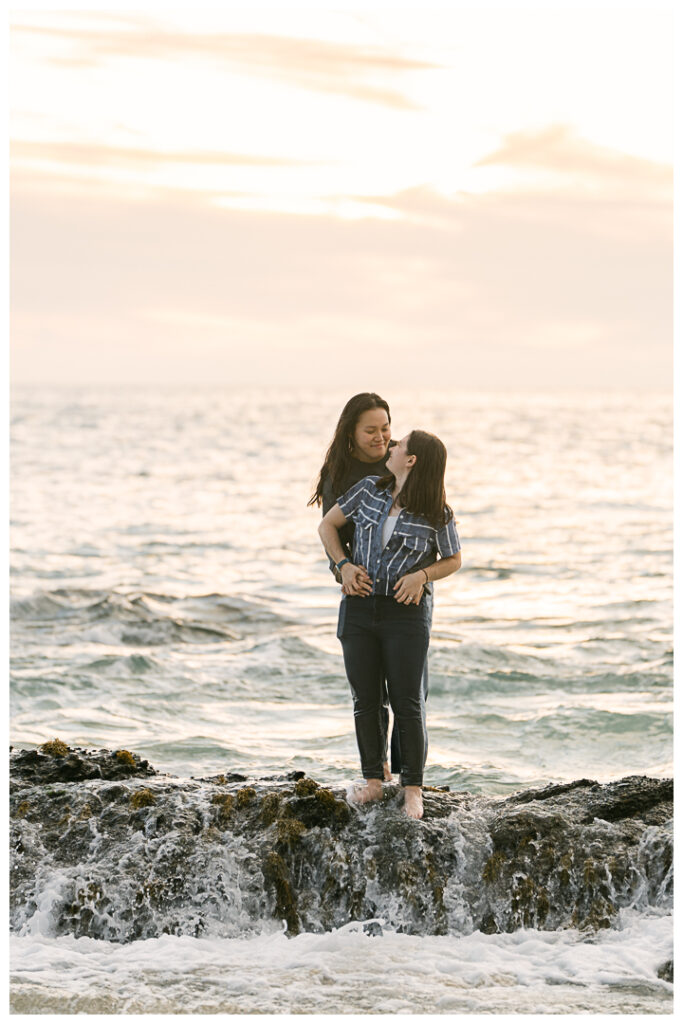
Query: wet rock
pixel 112 849
pixel 142 798
pixel 373 928
pixel 224 779
pixel 633 797
pixel 666 971
pixel 56 762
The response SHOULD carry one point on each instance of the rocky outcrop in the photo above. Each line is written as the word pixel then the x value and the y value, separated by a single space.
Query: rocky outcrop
pixel 103 845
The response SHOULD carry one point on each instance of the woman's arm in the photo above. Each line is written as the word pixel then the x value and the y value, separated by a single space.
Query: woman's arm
pixel 354 577
pixel 409 587
pixel 329 528
pixel 442 568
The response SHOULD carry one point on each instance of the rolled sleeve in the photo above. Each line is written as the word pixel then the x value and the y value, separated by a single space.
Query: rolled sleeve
pixel 350 502
pixel 447 540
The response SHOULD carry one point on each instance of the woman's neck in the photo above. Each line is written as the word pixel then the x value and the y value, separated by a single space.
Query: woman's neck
pixel 362 458
pixel 397 488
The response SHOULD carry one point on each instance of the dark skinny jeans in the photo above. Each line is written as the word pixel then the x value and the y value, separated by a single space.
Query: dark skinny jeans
pixel 428 601
pixel 382 638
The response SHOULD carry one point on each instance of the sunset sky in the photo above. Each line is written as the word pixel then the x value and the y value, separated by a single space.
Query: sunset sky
pixel 361 196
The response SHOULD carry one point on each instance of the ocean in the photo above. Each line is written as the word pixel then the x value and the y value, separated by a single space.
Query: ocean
pixel 170 596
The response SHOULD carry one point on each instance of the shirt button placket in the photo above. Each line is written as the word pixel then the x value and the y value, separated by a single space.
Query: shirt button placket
pixel 377 534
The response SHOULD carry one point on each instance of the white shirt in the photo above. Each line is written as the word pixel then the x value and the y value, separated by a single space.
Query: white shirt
pixel 388 529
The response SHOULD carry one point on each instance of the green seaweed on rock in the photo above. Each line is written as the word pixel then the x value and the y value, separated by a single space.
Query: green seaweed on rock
pixel 493 867
pixel 565 867
pixel 276 875
pixel 55 748
pixel 225 804
pixel 305 787
pixel 289 831
pixel 125 757
pixel 337 809
pixel 270 808
pixel 529 902
pixel 245 796
pixel 142 798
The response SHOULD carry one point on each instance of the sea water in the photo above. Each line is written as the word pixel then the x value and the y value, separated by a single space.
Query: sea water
pixel 170 596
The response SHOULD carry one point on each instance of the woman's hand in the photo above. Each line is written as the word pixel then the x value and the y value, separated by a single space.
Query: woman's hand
pixel 363 578
pixel 409 588
pixel 355 580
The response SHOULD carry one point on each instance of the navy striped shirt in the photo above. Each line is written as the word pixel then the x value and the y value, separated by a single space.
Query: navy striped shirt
pixel 413 544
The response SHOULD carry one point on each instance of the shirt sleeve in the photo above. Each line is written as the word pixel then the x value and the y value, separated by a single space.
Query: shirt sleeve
pixel 447 540
pixel 350 502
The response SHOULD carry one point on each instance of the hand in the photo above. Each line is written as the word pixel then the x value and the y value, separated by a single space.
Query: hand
pixel 409 588
pixel 355 580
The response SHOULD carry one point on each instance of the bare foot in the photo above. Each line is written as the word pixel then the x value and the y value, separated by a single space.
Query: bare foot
pixel 413 802
pixel 388 777
pixel 372 790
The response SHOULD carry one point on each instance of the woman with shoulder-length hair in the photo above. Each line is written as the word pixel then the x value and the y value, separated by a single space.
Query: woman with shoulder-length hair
pixel 402 523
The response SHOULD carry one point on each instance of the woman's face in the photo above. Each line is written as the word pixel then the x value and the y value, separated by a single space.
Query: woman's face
pixel 399 461
pixel 372 435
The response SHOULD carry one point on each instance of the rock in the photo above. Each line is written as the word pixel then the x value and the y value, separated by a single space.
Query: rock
pixel 55 762
pixel 373 928
pixel 117 851
pixel 666 971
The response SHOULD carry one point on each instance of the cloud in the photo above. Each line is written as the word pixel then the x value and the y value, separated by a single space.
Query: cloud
pixel 525 209
pixel 503 291
pixel 559 150
pixel 585 182
pixel 93 155
pixel 355 71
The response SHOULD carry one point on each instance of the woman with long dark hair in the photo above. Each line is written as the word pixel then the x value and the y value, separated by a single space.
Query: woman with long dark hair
pixel 402 523
pixel 358 449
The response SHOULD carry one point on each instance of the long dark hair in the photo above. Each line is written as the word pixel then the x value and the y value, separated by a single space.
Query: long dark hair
pixel 424 493
pixel 338 458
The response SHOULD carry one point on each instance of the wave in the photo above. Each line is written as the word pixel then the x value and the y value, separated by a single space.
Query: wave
pixel 352 969
pixel 144 619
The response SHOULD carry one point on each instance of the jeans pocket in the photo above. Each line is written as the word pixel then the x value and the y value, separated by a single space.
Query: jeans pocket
pixel 413 619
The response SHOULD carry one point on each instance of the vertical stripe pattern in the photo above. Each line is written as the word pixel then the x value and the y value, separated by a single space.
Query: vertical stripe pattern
pixel 414 544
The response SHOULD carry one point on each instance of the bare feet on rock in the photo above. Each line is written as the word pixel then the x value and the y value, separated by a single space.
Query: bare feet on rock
pixel 372 790
pixel 388 777
pixel 413 801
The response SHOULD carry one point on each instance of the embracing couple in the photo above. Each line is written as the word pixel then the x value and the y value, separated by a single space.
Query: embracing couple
pixel 389 534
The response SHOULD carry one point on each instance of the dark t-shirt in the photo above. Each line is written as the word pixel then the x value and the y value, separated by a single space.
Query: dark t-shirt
pixel 357 471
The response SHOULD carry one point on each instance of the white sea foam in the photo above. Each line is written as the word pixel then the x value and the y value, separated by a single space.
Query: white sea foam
pixel 350 971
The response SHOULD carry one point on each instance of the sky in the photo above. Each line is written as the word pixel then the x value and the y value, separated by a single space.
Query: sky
pixel 359 196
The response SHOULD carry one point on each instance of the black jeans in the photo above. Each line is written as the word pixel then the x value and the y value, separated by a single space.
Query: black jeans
pixel 382 638
pixel 428 602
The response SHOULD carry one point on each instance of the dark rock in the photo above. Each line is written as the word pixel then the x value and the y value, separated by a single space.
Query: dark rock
pixel 121 852
pixel 633 797
pixel 666 971
pixel 551 790
pixel 373 928
pixel 36 767
pixel 224 778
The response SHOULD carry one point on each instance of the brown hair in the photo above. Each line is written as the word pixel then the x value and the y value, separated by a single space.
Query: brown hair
pixel 338 458
pixel 424 493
